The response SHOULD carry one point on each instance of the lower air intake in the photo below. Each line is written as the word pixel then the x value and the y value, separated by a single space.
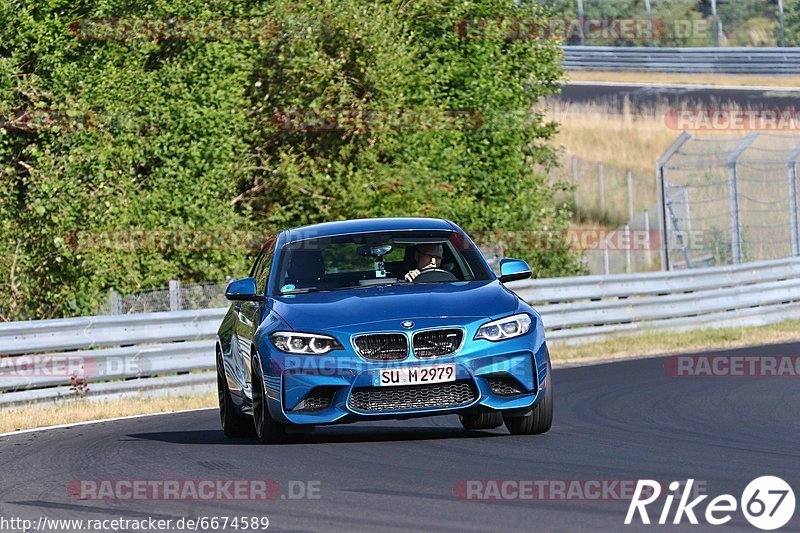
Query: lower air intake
pixel 505 386
pixel 318 399
pixel 443 396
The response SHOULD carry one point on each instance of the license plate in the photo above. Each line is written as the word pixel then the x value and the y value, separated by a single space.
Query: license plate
pixel 392 377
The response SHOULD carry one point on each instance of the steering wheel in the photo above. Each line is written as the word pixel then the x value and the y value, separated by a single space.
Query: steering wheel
pixel 434 275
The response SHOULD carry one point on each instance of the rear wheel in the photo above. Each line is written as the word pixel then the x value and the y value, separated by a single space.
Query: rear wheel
pixel 481 421
pixel 540 418
pixel 233 423
pixel 267 429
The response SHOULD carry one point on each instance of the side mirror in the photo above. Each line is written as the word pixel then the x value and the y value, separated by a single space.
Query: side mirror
pixel 514 269
pixel 244 289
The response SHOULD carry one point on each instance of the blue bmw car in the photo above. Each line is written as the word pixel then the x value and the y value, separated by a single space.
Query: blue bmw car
pixel 376 319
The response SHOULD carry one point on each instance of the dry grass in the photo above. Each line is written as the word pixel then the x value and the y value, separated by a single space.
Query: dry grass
pixel 682 342
pixel 39 415
pixel 691 79
pixel 625 139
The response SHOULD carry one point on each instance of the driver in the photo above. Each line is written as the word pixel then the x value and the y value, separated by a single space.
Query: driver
pixel 426 256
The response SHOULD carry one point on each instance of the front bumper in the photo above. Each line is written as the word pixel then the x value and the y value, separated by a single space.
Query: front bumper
pixel 295 385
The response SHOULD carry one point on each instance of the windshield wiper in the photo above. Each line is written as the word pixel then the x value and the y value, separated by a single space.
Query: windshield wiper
pixel 301 291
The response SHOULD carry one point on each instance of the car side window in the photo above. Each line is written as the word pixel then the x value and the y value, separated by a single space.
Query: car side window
pixel 263 265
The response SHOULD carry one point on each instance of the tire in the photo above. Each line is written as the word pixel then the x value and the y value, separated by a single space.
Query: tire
pixel 234 425
pixel 540 418
pixel 267 430
pixel 481 421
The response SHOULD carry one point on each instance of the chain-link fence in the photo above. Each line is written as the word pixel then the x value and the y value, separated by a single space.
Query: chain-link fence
pixel 730 200
pixel 177 297
pixel 683 23
pixel 614 215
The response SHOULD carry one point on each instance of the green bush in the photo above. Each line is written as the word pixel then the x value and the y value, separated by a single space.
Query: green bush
pixel 180 135
pixel 791 13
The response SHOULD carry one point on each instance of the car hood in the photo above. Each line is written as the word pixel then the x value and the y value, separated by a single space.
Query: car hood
pixel 318 311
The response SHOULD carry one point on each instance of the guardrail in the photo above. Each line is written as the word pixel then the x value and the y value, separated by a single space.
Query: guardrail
pixel 685 60
pixel 173 352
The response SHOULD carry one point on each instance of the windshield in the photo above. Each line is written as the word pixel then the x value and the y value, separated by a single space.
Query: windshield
pixel 364 260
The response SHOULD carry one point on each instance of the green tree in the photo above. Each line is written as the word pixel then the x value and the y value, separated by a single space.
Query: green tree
pixel 179 135
pixel 791 11
pixel 359 57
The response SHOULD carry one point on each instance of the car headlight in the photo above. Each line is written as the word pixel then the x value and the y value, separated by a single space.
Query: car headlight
pixel 505 328
pixel 306 343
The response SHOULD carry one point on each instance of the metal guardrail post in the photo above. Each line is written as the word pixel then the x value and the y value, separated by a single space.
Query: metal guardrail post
pixel 661 201
pixel 793 218
pixel 733 193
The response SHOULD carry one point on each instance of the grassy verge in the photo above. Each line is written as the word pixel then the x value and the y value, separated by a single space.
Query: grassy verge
pixel 39 415
pixel 690 79
pixel 671 342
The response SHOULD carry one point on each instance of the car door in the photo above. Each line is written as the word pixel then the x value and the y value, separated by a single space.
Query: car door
pixel 249 313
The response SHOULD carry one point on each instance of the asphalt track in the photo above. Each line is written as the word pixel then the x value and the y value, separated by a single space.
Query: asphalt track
pixel 641 96
pixel 620 421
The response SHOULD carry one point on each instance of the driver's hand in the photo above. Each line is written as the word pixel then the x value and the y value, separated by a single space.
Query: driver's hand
pixel 411 275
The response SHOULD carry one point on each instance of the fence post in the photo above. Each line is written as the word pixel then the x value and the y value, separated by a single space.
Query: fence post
pixel 715 22
pixel 116 302
pixel 575 183
pixel 580 21
pixel 793 218
pixel 650 22
pixel 783 28
pixel 733 200
pixel 601 177
pixel 174 295
pixel 647 254
pixel 733 192
pixel 661 196
pixel 630 197
pixel 629 242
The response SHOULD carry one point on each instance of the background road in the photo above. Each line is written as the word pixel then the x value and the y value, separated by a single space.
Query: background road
pixel 644 96
pixel 624 421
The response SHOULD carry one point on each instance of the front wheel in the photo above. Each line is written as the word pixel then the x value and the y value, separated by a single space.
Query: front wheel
pixel 540 418
pixel 233 424
pixel 267 429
